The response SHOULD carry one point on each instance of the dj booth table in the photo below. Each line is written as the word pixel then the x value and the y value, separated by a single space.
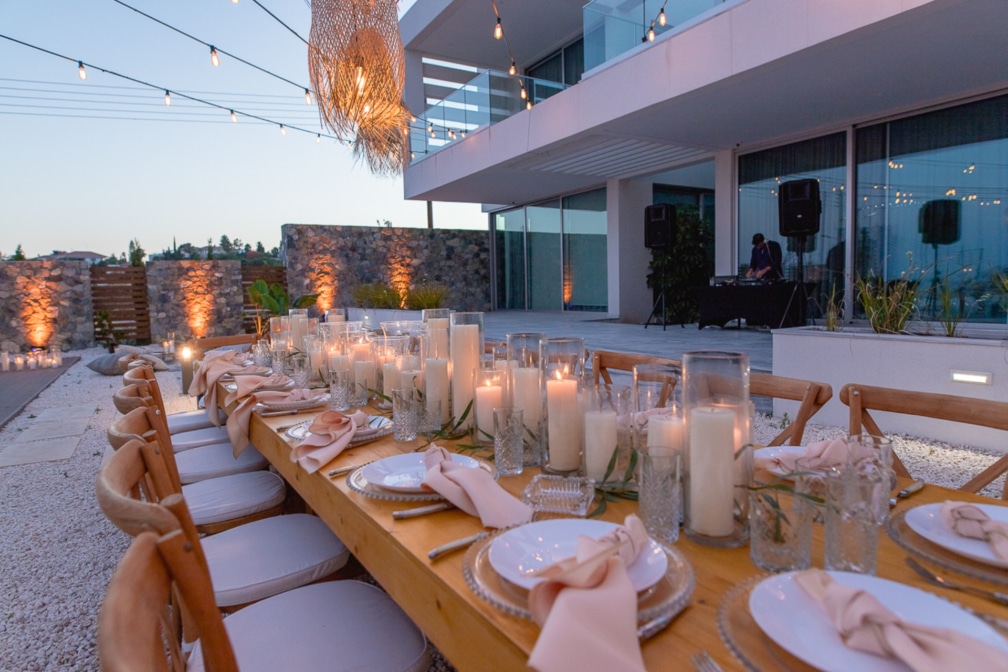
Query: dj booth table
pixel 772 304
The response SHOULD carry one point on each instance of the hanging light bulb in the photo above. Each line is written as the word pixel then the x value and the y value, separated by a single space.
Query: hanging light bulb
pixel 463 133
pixel 214 58
pixel 234 2
pixel 661 17
pixel 528 104
pixel 234 117
pixel 498 30
pixel 167 98
pixel 283 131
pixel 523 94
pixel 81 72
pixel 650 35
pixel 307 97
pixel 318 138
pixel 513 69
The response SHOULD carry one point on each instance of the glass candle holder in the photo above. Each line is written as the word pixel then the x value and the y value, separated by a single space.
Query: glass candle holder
pixel 561 366
pixel 607 412
pixel 489 388
pixel 4 360
pixel 362 370
pixel 718 470
pixel 298 327
pixel 336 315
pixel 657 390
pixel 465 345
pixel 434 362
pixel 387 352
pixel 526 389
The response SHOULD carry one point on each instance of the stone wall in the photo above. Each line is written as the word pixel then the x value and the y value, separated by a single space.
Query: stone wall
pixel 332 260
pixel 45 303
pixel 195 299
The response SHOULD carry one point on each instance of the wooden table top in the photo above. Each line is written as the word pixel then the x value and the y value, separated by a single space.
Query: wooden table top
pixel 469 631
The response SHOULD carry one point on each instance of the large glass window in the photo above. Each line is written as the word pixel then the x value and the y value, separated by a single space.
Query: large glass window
pixel 543 253
pixel 509 244
pixel 930 197
pixel 585 281
pixel 760 177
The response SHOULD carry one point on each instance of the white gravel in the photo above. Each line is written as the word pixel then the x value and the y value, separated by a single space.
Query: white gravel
pixel 57 550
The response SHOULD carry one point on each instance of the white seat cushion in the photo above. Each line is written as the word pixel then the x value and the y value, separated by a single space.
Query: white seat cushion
pixel 270 556
pixel 186 421
pixel 199 464
pixel 230 497
pixel 199 437
pixel 336 626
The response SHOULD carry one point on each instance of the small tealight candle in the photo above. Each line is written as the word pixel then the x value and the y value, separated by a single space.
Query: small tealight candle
pixel 665 434
pixel 19 362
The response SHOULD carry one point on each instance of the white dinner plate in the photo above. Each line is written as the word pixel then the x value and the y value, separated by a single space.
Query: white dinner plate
pixel 791 618
pixel 405 473
pixel 519 552
pixel 772 452
pixel 926 521
pixel 297 405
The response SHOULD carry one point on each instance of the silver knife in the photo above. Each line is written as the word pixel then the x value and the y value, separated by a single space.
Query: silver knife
pixel 422 510
pixel 464 542
pixel 654 626
pixel 906 492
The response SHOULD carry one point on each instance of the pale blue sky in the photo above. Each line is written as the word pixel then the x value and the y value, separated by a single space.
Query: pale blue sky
pixel 89 165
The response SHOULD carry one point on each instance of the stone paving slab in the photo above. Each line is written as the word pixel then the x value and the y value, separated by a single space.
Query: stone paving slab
pixel 30 452
pixel 83 411
pixel 52 429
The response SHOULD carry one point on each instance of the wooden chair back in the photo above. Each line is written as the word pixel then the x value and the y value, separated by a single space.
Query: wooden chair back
pixel 811 396
pixel 130 397
pixel 202 345
pixel 134 630
pixel 605 360
pixel 146 424
pixel 862 399
pixel 146 380
pixel 128 490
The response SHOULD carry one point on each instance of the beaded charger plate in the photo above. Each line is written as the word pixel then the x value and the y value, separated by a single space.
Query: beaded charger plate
pixel 359 483
pixel 668 596
pixel 378 426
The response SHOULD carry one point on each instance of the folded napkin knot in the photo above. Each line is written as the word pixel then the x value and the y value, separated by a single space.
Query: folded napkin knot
pixel 818 455
pixel 472 490
pixel 864 624
pixel 246 385
pixel 328 436
pixel 240 418
pixel 587 608
pixel 970 521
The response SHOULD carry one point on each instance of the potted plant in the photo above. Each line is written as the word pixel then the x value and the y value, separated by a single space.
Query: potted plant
pixel 272 300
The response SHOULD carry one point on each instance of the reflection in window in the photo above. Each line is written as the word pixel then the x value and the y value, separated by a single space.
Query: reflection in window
pixel 931 203
pixel 585 282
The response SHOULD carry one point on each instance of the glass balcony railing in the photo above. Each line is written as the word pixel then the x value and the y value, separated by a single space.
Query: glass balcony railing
pixel 612 27
pixel 488 98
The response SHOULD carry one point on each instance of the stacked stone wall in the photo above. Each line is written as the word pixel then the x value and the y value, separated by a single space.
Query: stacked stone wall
pixel 45 303
pixel 195 299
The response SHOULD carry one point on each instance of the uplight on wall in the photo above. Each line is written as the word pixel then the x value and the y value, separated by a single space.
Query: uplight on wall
pixel 974 377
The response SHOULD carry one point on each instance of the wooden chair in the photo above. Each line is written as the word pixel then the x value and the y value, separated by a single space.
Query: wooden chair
pixel 177 422
pixel 217 502
pixel 604 360
pixel 248 562
pixel 335 626
pixel 203 345
pixel 862 399
pixel 138 394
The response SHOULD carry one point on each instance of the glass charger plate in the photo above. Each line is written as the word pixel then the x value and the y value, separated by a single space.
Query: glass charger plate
pixel 299 405
pixel 357 482
pixel 902 534
pixel 667 597
pixel 233 387
pixel 379 426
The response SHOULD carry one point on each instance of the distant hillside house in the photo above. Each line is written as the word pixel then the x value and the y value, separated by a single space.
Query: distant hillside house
pixel 79 255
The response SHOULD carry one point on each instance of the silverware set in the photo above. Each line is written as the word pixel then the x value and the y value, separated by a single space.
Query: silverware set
pixel 937 580
pixel 703 662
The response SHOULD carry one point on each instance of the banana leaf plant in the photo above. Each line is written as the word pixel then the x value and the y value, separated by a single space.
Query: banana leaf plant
pixel 272 300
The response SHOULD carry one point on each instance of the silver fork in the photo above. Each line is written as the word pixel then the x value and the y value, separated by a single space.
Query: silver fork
pixel 703 662
pixel 935 579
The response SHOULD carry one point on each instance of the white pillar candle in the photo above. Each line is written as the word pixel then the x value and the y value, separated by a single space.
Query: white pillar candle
pixel 299 329
pixel 563 422
pixel 390 378
pixel 436 384
pixel 665 434
pixel 527 394
pixel 465 358
pixel 359 351
pixel 364 372
pixel 488 397
pixel 711 470
pixel 4 362
pixel 437 333
pixel 19 361
pixel 339 362
pixel 317 361
pixel 600 441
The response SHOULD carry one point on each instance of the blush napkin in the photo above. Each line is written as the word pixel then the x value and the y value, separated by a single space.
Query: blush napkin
pixel 205 379
pixel 238 421
pixel 473 490
pixel 246 385
pixel 588 613
pixel 817 455
pixel 865 625
pixel 329 434
pixel 970 521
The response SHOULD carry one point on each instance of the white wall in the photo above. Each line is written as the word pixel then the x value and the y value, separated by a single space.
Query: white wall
pixel 628 259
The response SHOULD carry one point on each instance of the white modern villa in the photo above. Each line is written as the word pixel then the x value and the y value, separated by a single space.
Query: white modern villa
pixel 897 108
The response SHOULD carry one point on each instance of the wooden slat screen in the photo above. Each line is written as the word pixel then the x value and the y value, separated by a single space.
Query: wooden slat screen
pixel 121 291
pixel 271 274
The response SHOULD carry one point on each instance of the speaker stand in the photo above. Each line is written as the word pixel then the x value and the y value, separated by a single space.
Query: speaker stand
pixel 660 301
pixel 799 292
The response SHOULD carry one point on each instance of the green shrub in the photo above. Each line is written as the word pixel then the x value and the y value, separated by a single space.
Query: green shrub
pixel 377 295
pixel 426 295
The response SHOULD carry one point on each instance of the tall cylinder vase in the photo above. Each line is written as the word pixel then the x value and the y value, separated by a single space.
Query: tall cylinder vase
pixel 525 388
pixel 466 354
pixel 717 430
pixel 561 362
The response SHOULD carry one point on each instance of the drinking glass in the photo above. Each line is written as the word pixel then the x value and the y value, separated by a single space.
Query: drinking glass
pixel 339 389
pixel 509 446
pixel 404 415
pixel 300 370
pixel 660 492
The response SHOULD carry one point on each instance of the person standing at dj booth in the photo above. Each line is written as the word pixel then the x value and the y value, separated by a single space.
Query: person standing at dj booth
pixel 765 262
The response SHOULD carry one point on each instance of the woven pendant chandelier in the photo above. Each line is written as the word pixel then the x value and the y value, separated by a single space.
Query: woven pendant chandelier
pixel 357 68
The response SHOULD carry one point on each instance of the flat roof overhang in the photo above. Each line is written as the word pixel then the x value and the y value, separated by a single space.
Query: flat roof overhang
pixel 744 78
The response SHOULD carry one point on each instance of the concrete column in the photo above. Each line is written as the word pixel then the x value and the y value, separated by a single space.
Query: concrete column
pixel 725 227
pixel 627 258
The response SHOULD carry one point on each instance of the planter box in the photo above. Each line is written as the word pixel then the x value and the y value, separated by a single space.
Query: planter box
pixel 923 363
pixel 373 317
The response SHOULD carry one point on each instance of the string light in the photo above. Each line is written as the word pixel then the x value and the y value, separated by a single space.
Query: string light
pixel 528 104
pixel 318 138
pixel 234 117
pixel 81 72
pixel 498 30
pixel 234 2
pixel 167 98
pixel 650 35
pixel 307 97
pixel 283 131
pixel 214 58
pixel 513 70
pixel 661 17
pixel 523 94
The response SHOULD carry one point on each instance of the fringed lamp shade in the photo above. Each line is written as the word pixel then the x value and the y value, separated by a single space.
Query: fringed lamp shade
pixel 356 65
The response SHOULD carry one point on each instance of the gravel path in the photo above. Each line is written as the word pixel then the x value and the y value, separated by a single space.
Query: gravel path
pixel 57 550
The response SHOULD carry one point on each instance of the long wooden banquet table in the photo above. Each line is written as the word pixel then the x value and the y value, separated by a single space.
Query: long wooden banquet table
pixel 475 635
